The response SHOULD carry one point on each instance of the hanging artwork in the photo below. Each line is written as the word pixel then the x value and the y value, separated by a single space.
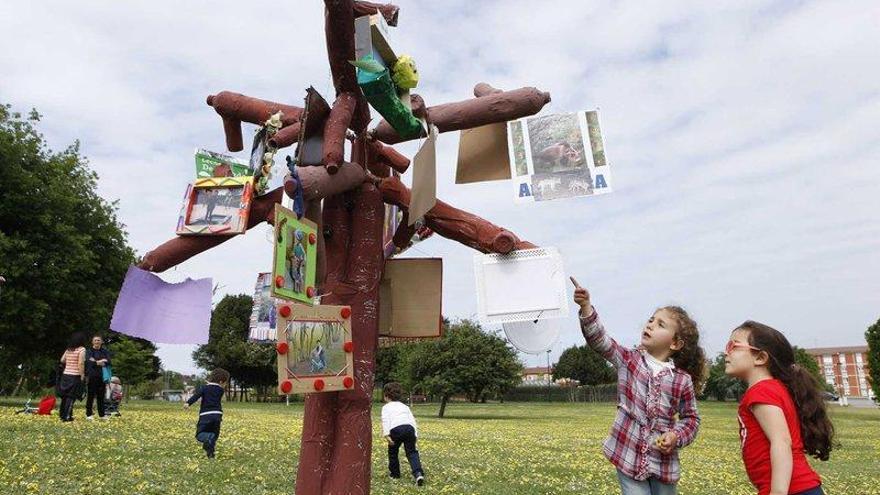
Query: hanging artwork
pixel 263 314
pixel 558 156
pixel 310 150
pixel 410 298
pixel 296 246
pixel 389 228
pixel 525 285
pixel 216 206
pixel 314 349
pixel 212 164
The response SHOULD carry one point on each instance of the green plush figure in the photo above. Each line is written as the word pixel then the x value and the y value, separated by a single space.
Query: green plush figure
pixel 382 94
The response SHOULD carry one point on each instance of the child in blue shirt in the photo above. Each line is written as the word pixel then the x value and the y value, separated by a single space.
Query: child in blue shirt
pixel 210 412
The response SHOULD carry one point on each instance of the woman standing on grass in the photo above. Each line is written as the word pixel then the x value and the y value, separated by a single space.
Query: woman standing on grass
pixel 70 384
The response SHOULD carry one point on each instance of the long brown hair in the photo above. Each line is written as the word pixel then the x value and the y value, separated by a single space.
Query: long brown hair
pixel 690 358
pixel 817 431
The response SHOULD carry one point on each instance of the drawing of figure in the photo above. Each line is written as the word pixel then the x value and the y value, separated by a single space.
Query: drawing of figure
pixel 576 186
pixel 210 203
pixel 318 360
pixel 296 261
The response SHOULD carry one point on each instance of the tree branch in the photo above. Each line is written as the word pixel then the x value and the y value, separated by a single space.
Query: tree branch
pixel 236 108
pixel 334 131
pixel 317 184
pixel 467 114
pixel 389 12
pixel 455 224
pixel 339 31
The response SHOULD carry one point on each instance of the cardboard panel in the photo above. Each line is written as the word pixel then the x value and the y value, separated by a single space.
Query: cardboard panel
pixel 424 187
pixel 414 308
pixel 483 154
pixel 314 349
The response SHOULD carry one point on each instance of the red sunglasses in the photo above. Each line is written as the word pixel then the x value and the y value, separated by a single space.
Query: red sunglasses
pixel 731 345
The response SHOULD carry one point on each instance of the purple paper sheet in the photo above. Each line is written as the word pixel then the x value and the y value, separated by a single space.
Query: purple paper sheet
pixel 152 309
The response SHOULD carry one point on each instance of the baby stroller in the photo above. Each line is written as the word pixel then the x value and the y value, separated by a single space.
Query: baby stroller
pixel 114 397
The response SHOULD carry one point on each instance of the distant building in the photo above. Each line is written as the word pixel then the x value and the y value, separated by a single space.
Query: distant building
pixel 540 375
pixel 845 368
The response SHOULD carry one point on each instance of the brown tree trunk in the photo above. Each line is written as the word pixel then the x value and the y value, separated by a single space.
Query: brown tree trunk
pixel 444 399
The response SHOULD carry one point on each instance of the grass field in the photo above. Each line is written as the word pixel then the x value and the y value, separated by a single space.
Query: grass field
pixel 478 449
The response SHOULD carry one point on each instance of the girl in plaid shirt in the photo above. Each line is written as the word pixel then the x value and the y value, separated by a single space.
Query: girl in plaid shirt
pixel 657 407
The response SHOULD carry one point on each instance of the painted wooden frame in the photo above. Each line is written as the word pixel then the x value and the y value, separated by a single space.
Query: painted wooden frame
pixel 315 349
pixel 295 260
pixel 199 213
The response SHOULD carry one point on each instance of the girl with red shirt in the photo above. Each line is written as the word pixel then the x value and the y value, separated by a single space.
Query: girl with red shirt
pixel 782 414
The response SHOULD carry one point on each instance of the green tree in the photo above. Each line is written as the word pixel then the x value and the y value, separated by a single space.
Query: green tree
pixel 721 386
pixel 808 362
pixel 63 251
pixel 250 364
pixel 872 336
pixel 466 360
pixel 133 360
pixel 585 365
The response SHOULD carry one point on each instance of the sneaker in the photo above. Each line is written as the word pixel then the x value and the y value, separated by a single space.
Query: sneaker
pixel 90 418
pixel 420 480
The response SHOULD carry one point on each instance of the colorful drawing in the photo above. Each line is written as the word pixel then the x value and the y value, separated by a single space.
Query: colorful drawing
pixel 263 314
pixel 558 156
pixel 293 271
pixel 211 164
pixel 216 205
pixel 314 348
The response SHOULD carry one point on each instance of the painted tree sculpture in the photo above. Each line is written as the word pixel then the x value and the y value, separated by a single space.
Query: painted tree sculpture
pixel 346 200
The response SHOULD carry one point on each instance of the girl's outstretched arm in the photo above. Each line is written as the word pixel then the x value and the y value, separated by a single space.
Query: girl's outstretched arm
pixel 772 421
pixel 688 418
pixel 594 331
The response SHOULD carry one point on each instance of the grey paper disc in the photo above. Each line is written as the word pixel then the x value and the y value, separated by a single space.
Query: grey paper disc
pixel 531 337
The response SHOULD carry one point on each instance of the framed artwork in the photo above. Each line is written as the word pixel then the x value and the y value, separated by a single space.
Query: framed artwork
pixel 314 349
pixel 294 264
pixel 216 206
pixel 261 327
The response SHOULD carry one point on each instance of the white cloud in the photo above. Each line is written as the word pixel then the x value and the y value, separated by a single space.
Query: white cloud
pixel 742 135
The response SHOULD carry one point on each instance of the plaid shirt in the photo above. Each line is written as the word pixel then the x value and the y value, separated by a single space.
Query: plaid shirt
pixel 647 406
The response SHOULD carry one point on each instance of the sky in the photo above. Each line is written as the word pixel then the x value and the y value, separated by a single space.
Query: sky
pixel 742 135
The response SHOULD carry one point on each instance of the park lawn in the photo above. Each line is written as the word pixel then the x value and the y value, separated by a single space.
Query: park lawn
pixel 519 448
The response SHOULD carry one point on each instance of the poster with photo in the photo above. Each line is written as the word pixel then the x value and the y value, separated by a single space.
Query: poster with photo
pixel 558 156
pixel 293 271
pixel 212 164
pixel 263 315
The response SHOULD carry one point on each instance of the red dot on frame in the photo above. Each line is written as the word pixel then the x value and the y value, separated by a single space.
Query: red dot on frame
pixel 284 311
pixel 319 385
pixel 348 346
pixel 279 281
pixel 313 238
pixel 348 382
pixel 286 386
pixel 310 291
pixel 282 348
pixel 345 312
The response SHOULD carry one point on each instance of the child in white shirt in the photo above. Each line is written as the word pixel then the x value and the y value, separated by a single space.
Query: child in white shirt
pixel 399 426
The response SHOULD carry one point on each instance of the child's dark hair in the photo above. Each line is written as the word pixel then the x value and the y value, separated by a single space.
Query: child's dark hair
pixel 691 358
pixel 816 428
pixel 78 339
pixel 393 391
pixel 219 375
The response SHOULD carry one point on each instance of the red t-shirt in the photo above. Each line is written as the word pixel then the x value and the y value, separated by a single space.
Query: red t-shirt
pixel 756 446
